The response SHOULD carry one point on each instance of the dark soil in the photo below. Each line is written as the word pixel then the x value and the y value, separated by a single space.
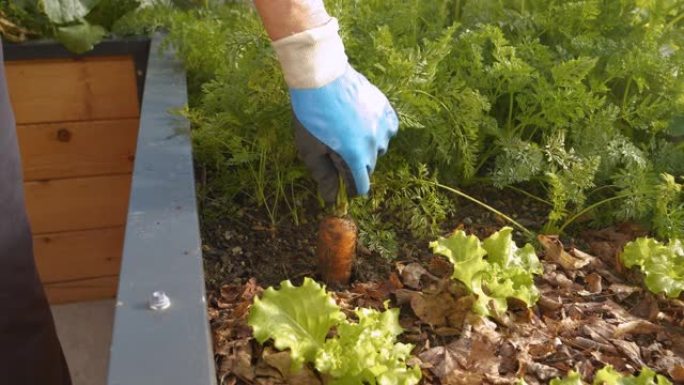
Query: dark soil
pixel 247 246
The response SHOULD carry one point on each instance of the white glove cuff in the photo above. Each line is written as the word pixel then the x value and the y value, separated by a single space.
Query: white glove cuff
pixel 312 58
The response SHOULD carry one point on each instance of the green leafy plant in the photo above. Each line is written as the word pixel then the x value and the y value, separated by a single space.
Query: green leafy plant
pixel 363 352
pixel 573 103
pixel 78 24
pixel 572 378
pixel 609 376
pixel 661 264
pixel 506 272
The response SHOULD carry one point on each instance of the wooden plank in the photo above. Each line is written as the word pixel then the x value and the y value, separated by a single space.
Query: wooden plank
pixel 82 290
pixel 73 89
pixel 77 203
pixel 78 254
pixel 60 150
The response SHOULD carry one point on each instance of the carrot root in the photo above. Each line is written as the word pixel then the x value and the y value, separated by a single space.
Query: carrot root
pixel 336 250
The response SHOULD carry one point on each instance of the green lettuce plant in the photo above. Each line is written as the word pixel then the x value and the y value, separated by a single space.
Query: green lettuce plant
pixel 363 352
pixel 609 376
pixel 661 264
pixel 506 272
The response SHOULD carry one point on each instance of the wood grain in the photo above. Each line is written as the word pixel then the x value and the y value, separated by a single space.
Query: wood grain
pixel 82 290
pixel 73 89
pixel 59 150
pixel 78 254
pixel 78 203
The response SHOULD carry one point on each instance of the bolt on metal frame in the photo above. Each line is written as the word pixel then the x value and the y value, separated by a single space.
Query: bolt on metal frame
pixel 161 329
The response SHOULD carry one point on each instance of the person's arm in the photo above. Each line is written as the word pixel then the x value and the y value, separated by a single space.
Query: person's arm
pixel 342 121
pixel 283 18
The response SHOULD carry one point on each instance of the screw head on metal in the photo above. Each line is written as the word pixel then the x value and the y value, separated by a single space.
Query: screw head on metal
pixel 159 300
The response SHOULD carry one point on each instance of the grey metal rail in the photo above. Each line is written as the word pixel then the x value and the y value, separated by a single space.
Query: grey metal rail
pixel 162 252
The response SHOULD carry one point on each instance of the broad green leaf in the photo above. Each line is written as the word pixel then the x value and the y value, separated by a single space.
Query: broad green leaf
pixel 513 282
pixel 296 318
pixel 367 352
pixel 81 37
pixel 662 265
pixel 507 272
pixel 485 304
pixel 573 378
pixel 465 253
pixel 67 11
pixel 609 376
pixel 107 12
pixel 502 250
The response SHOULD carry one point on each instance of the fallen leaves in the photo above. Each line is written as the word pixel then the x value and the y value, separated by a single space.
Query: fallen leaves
pixel 589 315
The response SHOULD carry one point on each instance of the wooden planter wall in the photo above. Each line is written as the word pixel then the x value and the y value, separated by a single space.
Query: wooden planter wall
pixel 77 122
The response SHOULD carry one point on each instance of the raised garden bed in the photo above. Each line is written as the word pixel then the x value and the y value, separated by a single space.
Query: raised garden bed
pixel 111 196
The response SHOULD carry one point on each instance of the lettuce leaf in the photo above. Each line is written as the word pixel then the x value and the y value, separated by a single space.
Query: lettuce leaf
pixel 296 318
pixel 366 352
pixel 502 250
pixel 573 378
pixel 506 272
pixel 661 264
pixel 465 252
pixel 363 352
pixel 609 376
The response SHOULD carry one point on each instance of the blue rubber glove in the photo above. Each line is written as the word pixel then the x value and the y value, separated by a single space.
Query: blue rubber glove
pixel 342 121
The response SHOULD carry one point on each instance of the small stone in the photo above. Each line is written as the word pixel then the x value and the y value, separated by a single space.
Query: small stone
pixel 467 221
pixel 237 250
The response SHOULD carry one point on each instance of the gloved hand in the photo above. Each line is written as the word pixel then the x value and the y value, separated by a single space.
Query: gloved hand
pixel 342 121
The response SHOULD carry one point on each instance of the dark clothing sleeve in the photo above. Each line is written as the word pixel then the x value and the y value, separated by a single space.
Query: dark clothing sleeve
pixel 30 353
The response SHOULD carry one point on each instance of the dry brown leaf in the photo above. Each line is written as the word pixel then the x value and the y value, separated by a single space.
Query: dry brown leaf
pixel 447 331
pixel 411 275
pixel 541 371
pixel 239 360
pixel 306 376
pixel 618 362
pixel 554 252
pixel 394 282
pixel 404 296
pixel 623 291
pixel 677 373
pixel 589 344
pixel 636 327
pixel 433 309
pixel 631 350
pixel 482 357
pixel 483 326
pixel 463 377
pixel 646 308
pixel 509 358
pixel 549 304
pixel 457 314
pixel 281 361
pixel 541 350
pixel 443 360
pixel 594 283
pixel 440 267
pixel 598 330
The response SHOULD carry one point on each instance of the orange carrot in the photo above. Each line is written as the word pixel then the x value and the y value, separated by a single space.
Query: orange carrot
pixel 337 235
pixel 336 249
